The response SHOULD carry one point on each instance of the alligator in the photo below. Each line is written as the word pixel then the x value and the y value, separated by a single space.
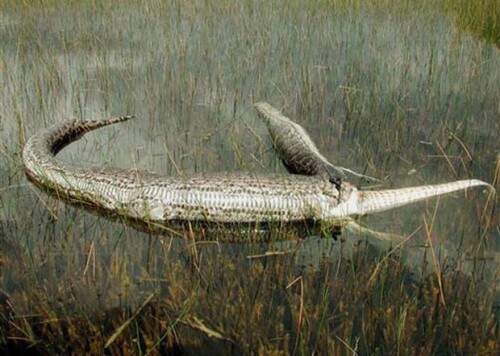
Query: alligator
pixel 222 198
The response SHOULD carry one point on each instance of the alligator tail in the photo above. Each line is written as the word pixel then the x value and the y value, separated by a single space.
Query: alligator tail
pixel 376 201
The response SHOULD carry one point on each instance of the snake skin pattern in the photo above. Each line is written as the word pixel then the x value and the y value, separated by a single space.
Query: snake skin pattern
pixel 297 151
pixel 220 198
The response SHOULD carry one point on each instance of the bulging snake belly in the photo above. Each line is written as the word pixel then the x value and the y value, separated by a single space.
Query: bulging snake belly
pixel 219 198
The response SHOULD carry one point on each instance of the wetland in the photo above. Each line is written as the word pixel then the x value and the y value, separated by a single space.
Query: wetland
pixel 402 92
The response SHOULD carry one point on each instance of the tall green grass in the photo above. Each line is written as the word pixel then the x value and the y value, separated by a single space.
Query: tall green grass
pixel 480 17
pixel 392 88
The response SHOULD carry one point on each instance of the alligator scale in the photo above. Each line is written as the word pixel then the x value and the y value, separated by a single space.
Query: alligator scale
pixel 218 198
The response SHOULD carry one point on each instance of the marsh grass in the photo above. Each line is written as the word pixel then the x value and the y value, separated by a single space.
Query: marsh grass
pixel 480 17
pixel 396 89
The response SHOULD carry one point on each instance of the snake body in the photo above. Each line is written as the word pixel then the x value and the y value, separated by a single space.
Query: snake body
pixel 149 196
pixel 219 198
pixel 297 150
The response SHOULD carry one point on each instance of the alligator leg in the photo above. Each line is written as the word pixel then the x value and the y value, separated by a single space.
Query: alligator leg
pixel 372 235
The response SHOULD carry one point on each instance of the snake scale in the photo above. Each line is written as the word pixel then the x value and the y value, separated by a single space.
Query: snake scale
pixel 220 198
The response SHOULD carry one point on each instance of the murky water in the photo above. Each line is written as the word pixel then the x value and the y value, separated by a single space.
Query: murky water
pixel 377 93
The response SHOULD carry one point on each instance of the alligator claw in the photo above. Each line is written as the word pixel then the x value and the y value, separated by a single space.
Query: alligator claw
pixel 336 181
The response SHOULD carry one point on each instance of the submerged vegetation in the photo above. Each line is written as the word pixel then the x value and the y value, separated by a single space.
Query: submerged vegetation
pixel 396 89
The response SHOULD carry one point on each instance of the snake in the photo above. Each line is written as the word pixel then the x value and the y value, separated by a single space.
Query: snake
pixel 222 197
